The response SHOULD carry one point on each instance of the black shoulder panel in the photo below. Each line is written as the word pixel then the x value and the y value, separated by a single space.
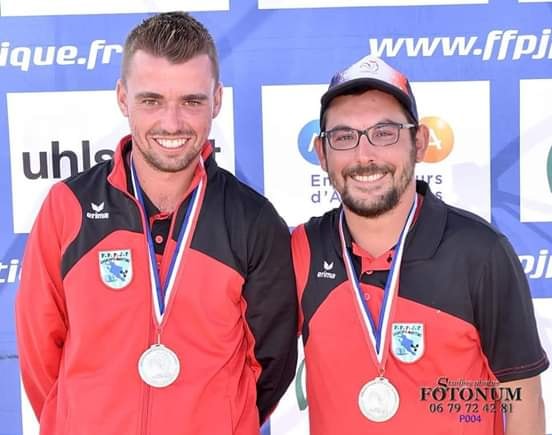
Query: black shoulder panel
pixel 229 210
pixel 105 209
pixel 449 280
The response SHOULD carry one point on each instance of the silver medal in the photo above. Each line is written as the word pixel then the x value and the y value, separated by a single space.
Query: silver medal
pixel 159 366
pixel 378 400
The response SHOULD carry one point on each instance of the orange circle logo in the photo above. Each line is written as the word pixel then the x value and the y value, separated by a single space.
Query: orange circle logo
pixel 441 139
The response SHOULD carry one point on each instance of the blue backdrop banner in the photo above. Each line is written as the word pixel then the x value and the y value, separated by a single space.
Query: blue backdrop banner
pixel 481 71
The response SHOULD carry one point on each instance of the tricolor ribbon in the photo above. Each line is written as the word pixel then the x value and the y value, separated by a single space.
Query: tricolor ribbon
pixel 161 294
pixel 378 337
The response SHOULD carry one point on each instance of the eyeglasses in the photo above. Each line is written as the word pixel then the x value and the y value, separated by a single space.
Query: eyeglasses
pixel 379 135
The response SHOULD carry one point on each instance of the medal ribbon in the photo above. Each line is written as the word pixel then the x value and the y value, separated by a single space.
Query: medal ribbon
pixel 378 336
pixel 161 294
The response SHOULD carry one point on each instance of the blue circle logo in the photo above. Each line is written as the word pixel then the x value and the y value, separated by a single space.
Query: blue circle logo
pixel 306 141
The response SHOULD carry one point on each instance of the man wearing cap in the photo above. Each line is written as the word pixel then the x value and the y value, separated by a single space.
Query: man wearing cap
pixel 449 345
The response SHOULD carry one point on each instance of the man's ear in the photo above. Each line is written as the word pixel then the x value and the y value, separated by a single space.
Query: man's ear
pixel 321 152
pixel 122 97
pixel 421 142
pixel 217 100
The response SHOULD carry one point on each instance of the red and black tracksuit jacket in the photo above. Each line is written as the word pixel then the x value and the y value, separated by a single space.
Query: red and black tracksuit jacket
pixel 232 318
pixel 460 279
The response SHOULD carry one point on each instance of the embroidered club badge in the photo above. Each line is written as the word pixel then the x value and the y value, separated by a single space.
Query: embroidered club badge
pixel 115 268
pixel 407 341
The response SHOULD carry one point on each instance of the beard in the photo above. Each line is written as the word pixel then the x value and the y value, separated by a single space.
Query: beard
pixel 386 200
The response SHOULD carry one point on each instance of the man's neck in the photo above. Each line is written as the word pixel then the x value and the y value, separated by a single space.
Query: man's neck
pixel 165 189
pixel 379 234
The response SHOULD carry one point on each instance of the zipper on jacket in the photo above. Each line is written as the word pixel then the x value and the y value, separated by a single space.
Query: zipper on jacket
pixel 145 411
pixel 146 401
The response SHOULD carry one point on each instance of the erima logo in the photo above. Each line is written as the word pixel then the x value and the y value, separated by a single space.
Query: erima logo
pixel 326 274
pixel 97 212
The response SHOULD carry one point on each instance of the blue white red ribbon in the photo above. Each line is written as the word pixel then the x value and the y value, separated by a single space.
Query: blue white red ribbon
pixel 378 335
pixel 161 294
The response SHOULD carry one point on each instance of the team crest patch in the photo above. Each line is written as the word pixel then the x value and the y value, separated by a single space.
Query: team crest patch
pixel 116 268
pixel 407 341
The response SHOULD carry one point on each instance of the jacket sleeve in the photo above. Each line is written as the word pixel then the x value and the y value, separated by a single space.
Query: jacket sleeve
pixel 271 312
pixel 41 324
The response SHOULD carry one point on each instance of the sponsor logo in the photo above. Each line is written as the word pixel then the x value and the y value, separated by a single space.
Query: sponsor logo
pixel 323 190
pixel 407 341
pixel 97 212
pixel 290 125
pixel 50 164
pixel 441 139
pixel 44 164
pixel 305 141
pixel 326 272
pixel 497 44
pixel 115 268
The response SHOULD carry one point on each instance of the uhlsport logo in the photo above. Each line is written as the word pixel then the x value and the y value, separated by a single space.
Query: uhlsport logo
pixel 60 163
pixel 408 344
pixel 62 142
pixel 326 272
pixel 305 141
pixel 115 268
pixel 441 139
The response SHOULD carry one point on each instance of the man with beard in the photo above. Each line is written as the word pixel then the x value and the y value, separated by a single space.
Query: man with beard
pixel 158 294
pixel 386 352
